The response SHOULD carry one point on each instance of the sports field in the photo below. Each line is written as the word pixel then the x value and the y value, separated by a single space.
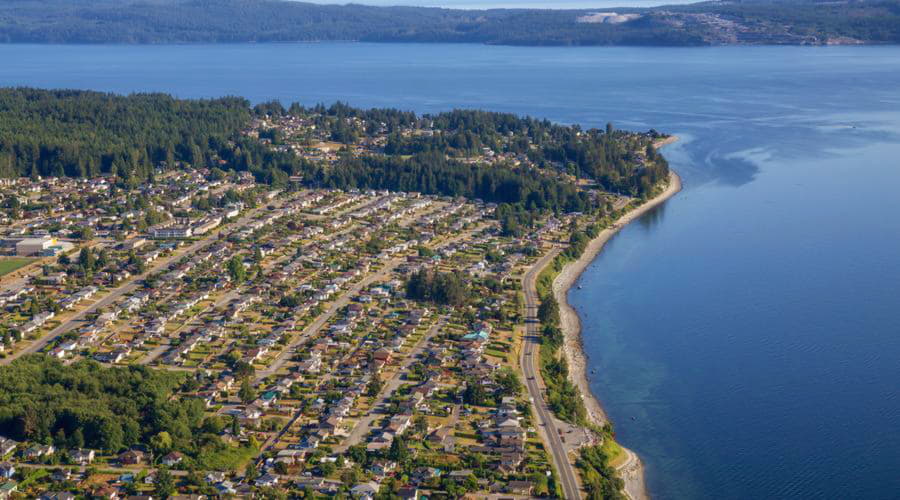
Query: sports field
pixel 11 264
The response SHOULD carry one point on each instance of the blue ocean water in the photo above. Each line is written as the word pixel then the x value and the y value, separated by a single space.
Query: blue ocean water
pixel 745 337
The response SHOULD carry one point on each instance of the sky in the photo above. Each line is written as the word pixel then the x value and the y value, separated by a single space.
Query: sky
pixel 534 4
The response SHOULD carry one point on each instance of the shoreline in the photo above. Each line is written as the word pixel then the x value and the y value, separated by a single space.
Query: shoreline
pixel 632 471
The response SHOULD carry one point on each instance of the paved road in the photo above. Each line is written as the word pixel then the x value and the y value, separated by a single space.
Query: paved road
pixel 364 425
pixel 342 301
pixel 188 324
pixel 323 318
pixel 530 365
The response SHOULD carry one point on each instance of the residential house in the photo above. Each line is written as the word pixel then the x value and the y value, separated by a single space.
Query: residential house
pixel 365 491
pixel 408 493
pixel 7 470
pixel 266 480
pixel 131 457
pixel 83 457
pixel 171 459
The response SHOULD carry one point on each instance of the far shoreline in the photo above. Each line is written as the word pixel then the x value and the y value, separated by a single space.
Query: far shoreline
pixel 632 472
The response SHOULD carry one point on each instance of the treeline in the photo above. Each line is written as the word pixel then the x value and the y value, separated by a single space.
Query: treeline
pixel 84 134
pixel 563 396
pixel 435 286
pixel 229 21
pixel 87 405
pixel 433 173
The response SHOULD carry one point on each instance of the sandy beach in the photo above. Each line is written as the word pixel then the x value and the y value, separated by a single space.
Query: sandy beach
pixel 632 470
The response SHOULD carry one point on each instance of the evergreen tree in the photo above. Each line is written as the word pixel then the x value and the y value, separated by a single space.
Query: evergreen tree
pixel 247 393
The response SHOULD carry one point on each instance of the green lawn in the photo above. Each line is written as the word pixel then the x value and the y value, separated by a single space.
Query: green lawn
pixel 227 458
pixel 9 265
pixel 615 455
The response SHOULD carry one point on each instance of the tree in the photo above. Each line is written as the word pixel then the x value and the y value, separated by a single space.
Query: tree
pixel 86 233
pixel 351 475
pixel 474 394
pixel 76 440
pixel 161 443
pixel 327 468
pixel 508 383
pixel 399 450
pixel 250 472
pixel 358 454
pixel 59 439
pixel 86 259
pixel 548 311
pixel 247 393
pixel 374 387
pixel 113 439
pixel 242 369
pixel 420 424
pixel 236 270
pixel 213 424
pixel 164 485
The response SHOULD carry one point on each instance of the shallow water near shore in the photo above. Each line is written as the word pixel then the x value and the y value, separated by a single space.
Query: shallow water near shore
pixel 744 335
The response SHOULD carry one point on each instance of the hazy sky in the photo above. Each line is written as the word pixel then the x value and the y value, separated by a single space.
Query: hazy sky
pixel 539 4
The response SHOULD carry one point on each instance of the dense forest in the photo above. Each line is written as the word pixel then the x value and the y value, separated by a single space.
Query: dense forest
pixel 84 134
pixel 440 288
pixel 87 405
pixel 162 21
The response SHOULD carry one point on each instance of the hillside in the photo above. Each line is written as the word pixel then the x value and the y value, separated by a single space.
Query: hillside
pixel 229 21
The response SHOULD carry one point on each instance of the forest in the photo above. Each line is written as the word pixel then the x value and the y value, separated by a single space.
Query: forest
pixel 229 21
pixel 84 134
pixel 87 405
pixel 440 288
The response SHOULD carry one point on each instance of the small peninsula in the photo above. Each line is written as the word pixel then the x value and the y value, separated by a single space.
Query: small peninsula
pixel 209 297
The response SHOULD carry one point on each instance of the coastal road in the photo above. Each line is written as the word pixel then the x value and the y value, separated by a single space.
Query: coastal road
pixel 530 366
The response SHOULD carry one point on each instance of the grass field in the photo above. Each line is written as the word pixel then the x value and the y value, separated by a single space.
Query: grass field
pixel 9 265
pixel 614 453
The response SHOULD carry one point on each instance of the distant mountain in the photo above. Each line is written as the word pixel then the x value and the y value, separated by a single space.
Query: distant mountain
pixel 223 21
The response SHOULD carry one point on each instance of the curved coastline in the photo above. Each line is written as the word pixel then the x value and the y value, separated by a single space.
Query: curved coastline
pixel 632 471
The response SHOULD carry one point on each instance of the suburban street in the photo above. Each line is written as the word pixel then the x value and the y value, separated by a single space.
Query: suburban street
pixel 530 366
pixel 364 425
pixel 129 286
